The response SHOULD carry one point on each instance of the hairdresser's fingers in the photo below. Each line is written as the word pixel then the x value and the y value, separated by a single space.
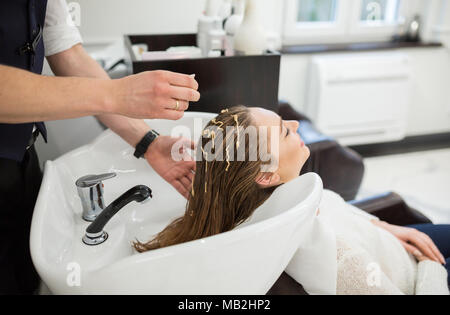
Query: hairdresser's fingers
pixel 189 160
pixel 177 105
pixel 188 145
pixel 182 80
pixel 190 176
pixel 190 165
pixel 187 157
pixel 172 114
pixel 184 94
pixel 181 189
pixel 186 182
pixel 183 147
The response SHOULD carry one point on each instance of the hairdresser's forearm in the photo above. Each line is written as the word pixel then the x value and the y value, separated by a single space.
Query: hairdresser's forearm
pixel 27 97
pixel 76 62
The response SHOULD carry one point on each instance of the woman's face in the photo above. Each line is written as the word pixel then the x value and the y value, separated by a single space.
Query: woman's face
pixel 293 153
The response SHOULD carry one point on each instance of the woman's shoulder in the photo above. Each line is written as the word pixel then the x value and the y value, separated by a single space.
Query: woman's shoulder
pixel 329 194
pixel 331 199
pixel 335 203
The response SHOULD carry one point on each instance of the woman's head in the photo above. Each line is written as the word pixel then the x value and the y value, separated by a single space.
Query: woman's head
pixel 231 178
pixel 291 154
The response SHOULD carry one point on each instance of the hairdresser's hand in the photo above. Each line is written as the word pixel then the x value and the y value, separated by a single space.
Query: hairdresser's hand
pixel 154 94
pixel 179 171
pixel 415 242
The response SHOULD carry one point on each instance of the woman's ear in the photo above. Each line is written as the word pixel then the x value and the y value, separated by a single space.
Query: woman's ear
pixel 268 179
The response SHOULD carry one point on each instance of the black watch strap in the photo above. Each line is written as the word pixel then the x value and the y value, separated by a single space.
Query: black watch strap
pixel 143 145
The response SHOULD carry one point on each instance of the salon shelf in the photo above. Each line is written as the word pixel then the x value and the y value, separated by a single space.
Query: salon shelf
pixel 224 81
pixel 410 144
pixel 354 47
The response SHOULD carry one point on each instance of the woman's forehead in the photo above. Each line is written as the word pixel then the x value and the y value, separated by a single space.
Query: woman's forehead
pixel 264 117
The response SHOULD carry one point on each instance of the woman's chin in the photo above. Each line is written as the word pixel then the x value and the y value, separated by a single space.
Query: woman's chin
pixel 307 153
pixel 304 155
pixel 304 158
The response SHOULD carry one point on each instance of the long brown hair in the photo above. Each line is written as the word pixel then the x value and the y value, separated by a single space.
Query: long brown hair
pixel 224 192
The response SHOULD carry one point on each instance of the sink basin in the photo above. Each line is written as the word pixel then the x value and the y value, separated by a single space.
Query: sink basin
pixel 247 260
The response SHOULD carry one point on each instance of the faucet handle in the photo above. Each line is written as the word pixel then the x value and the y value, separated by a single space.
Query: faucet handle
pixel 90 191
pixel 92 180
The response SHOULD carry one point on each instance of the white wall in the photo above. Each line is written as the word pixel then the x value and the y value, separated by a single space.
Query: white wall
pixel 430 107
pixel 103 21
pixel 106 20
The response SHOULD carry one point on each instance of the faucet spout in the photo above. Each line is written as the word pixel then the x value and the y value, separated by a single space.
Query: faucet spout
pixel 95 233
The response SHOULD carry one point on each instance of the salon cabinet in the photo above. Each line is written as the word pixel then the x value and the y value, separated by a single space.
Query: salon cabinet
pixel 224 81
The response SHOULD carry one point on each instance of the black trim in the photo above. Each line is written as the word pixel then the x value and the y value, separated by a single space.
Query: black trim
pixel 143 145
pixel 31 47
pixel 407 145
pixel 354 47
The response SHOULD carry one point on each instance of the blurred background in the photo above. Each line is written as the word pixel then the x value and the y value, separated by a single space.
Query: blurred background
pixel 372 74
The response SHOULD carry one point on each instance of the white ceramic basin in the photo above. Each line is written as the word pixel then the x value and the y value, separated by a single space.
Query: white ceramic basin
pixel 247 260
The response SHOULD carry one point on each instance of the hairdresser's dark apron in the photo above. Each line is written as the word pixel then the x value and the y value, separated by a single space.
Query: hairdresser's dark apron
pixel 21 46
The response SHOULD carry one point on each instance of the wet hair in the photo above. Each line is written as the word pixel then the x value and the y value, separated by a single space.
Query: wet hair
pixel 224 192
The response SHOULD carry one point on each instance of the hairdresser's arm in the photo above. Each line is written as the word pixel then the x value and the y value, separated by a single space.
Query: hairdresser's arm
pixel 26 97
pixel 76 62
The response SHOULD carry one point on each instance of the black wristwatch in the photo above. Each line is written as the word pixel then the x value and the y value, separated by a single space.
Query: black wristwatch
pixel 143 145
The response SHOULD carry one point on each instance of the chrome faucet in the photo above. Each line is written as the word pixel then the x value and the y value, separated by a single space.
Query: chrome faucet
pixel 95 235
pixel 90 190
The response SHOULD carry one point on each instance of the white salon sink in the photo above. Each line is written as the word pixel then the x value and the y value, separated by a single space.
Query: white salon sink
pixel 247 260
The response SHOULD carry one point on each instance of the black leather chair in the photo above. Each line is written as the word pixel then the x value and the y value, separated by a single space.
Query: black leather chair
pixel 342 171
pixel 341 168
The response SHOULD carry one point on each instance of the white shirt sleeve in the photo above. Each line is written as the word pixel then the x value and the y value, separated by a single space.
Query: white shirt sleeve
pixel 431 279
pixel 59 32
